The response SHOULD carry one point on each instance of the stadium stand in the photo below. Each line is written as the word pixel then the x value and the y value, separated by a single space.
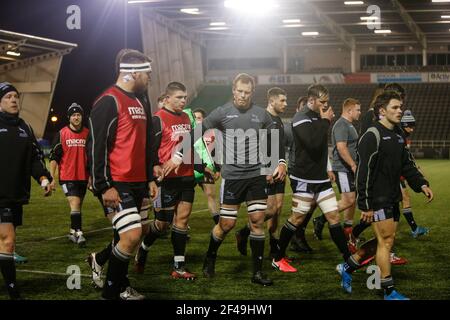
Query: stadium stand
pixel 211 97
pixel 429 102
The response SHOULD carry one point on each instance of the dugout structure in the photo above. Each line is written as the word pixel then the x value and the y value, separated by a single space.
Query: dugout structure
pixel 32 65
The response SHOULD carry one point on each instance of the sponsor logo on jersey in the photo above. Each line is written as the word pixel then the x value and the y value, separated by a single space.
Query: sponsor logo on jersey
pixel 75 142
pixel 387 138
pixel 3 130
pixel 254 118
pixel 233 116
pixel 137 112
pixel 22 133
pixel 179 129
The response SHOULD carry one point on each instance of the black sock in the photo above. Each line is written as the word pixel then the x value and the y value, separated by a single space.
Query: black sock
pixel 359 228
pixel 351 265
pixel 338 237
pixel 388 285
pixel 286 233
pixel 116 237
pixel 306 220
pixel 245 231
pixel 257 246
pixel 348 224
pixel 179 239
pixel 300 233
pixel 407 212
pixel 116 274
pixel 8 269
pixel 322 218
pixel 214 244
pixel 216 217
pixel 273 244
pixel 125 283
pixel 153 234
pixel 75 220
pixel 103 256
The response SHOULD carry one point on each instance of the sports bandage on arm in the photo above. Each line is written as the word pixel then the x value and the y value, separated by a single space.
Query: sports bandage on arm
pixel 177 158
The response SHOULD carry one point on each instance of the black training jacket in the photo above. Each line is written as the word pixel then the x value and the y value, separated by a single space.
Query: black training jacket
pixel 310 134
pixel 379 169
pixel 21 158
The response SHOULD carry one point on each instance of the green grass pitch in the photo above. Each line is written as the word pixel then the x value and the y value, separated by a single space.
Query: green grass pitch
pixel 46 223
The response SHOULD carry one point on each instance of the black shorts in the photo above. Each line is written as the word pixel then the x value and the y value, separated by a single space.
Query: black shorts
pixel 234 192
pixel 131 194
pixel 309 189
pixel 12 214
pixel 387 213
pixel 345 181
pixel 74 188
pixel 172 191
pixel 276 188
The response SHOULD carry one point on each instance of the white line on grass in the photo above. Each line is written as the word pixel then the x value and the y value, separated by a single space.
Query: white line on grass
pixel 53 273
pixel 88 232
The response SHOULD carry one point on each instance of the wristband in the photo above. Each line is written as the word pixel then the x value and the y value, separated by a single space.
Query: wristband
pixel 44 183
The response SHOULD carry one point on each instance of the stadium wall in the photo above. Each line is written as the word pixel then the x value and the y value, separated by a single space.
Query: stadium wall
pixel 176 55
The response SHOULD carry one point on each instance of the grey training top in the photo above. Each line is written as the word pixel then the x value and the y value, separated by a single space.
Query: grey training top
pixel 343 131
pixel 241 159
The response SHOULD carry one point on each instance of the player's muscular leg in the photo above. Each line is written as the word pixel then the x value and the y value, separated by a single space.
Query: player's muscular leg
pixel 226 224
pixel 7 238
pixel 129 240
pixel 406 202
pixel 210 192
pixel 385 233
pixel 74 203
pixel 329 206
pixel 165 219
pixel 182 214
pixel 347 201
pixel 271 207
pixel 256 220
pixel 300 207
pixel 272 224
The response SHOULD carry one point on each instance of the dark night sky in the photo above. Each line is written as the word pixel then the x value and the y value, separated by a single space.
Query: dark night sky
pixel 89 68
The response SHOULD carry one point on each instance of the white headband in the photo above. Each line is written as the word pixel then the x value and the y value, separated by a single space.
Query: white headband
pixel 135 67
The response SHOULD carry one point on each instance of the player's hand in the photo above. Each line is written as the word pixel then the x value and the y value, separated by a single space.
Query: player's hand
pixel 428 192
pixel 269 179
pixel 89 185
pixel 216 176
pixel 208 171
pixel 153 190
pixel 53 185
pixel 111 198
pixel 280 173
pixel 170 166
pixel 367 216
pixel 46 185
pixel 353 167
pixel 331 176
pixel 327 114
pixel 48 191
pixel 158 173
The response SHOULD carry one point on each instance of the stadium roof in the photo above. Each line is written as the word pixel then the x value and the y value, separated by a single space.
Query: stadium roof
pixel 412 22
pixel 18 50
